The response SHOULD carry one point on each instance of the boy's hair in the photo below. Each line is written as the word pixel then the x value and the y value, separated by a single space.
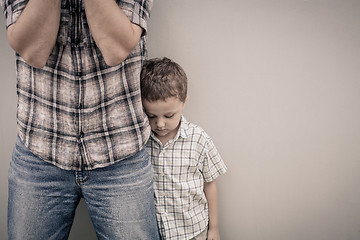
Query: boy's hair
pixel 162 78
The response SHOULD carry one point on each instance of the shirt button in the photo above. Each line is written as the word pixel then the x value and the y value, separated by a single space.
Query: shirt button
pixel 80 106
pixel 81 135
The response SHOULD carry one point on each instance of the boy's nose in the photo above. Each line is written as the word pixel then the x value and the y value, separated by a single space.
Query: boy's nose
pixel 160 123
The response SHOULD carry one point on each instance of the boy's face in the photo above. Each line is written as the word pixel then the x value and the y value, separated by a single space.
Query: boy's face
pixel 164 117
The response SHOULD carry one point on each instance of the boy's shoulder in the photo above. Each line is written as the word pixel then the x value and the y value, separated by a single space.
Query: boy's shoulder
pixel 189 129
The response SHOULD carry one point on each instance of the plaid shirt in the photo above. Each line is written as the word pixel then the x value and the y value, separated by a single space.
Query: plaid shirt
pixel 77 112
pixel 180 169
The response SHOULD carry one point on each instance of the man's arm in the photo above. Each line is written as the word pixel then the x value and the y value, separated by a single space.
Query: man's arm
pixel 210 191
pixel 111 29
pixel 34 34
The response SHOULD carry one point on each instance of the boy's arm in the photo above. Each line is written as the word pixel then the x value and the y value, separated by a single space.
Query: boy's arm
pixel 210 191
pixel 111 29
pixel 33 35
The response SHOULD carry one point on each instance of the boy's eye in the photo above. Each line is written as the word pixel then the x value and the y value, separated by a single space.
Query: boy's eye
pixel 169 116
pixel 150 116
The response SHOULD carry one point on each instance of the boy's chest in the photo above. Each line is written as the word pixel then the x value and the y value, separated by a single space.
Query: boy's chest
pixel 176 160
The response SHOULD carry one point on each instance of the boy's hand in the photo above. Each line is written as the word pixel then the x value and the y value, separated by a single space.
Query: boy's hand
pixel 213 234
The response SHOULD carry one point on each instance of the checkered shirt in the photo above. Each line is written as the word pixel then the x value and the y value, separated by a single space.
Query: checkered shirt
pixel 181 167
pixel 77 112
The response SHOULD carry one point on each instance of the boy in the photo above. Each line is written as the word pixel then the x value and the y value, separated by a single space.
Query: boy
pixel 185 160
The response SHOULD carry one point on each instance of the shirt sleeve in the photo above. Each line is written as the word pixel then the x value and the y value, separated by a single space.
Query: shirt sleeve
pixel 213 165
pixel 138 11
pixel 12 10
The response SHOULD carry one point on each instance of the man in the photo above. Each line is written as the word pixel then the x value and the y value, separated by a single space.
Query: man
pixel 82 130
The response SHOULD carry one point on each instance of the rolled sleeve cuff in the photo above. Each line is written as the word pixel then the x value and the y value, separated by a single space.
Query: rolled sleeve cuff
pixel 13 11
pixel 139 14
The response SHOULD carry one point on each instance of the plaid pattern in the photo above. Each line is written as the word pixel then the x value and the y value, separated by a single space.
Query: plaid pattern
pixel 180 169
pixel 77 112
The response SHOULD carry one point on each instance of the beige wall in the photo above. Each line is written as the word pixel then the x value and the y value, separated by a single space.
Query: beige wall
pixel 276 84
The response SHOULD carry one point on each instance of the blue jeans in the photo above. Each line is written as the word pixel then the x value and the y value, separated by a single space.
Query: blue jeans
pixel 43 198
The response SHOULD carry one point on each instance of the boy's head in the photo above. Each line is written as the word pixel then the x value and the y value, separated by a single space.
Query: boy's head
pixel 164 93
pixel 162 78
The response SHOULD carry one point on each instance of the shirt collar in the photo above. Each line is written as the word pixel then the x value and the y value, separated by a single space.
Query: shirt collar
pixel 183 130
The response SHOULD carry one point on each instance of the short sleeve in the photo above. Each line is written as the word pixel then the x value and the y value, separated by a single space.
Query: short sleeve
pixel 12 10
pixel 138 11
pixel 213 165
